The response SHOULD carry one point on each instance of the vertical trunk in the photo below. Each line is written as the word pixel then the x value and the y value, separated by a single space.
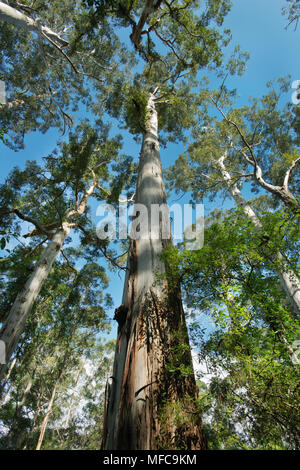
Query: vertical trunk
pixel 151 403
pixel 48 413
pixel 288 279
pixel 70 409
pixel 19 436
pixel 6 379
pixel 15 17
pixel 14 324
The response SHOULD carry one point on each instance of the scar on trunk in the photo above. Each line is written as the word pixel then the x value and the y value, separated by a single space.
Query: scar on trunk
pixel 121 314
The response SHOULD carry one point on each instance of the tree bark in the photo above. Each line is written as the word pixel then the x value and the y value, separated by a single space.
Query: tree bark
pixel 14 324
pixel 19 407
pixel 288 279
pixel 48 413
pixel 5 381
pixel 151 402
pixel 15 17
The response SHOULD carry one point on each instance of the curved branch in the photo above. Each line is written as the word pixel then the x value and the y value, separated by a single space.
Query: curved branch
pixel 15 17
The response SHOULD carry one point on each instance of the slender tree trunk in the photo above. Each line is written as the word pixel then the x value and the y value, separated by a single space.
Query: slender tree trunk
pixel 19 406
pixel 10 105
pixel 6 379
pixel 70 409
pixel 151 403
pixel 48 413
pixel 288 279
pixel 15 17
pixel 14 324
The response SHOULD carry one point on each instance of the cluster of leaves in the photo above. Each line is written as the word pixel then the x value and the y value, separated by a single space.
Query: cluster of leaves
pixel 292 10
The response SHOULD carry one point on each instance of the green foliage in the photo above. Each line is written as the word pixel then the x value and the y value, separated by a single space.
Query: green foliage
pixel 251 399
pixel 136 113
pixel 60 342
pixel 269 128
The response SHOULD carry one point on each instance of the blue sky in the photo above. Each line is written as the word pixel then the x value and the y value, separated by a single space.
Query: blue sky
pixel 259 27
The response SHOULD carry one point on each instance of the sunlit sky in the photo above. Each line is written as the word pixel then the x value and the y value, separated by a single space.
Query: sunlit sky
pixel 259 27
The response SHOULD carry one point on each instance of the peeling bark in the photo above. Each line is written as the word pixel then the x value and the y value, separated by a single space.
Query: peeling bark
pixel 151 403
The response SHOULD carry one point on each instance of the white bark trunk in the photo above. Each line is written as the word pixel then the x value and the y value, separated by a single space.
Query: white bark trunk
pixel 19 406
pixel 14 324
pixel 47 415
pixel 15 17
pixel 152 317
pixel 288 279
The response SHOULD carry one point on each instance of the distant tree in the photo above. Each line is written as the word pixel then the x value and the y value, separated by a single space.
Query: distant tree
pixel 253 144
pixel 58 343
pixel 242 329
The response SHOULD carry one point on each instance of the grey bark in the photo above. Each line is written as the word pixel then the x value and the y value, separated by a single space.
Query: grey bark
pixel 152 320
pixel 288 279
pixel 19 19
pixel 48 413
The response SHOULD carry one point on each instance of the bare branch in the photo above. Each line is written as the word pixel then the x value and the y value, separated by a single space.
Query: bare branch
pixel 123 201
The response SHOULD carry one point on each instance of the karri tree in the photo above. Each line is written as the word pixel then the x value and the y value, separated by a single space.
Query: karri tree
pixel 54 205
pixel 152 398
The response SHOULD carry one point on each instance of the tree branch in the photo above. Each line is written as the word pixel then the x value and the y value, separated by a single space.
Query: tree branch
pixel 288 174
pixel 18 213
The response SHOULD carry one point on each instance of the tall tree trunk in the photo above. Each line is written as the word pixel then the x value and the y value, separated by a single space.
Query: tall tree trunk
pixel 151 403
pixel 14 323
pixel 48 413
pixel 288 279
pixel 19 436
